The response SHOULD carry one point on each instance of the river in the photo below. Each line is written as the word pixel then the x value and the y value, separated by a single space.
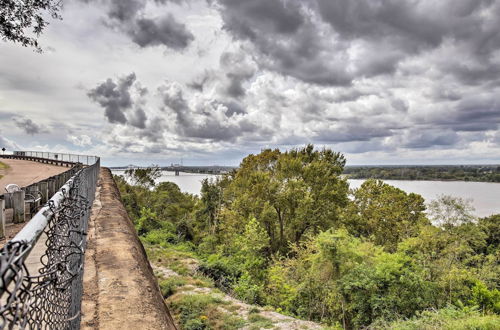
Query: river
pixel 485 196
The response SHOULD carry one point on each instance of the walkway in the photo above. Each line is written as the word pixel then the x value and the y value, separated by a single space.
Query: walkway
pixel 24 172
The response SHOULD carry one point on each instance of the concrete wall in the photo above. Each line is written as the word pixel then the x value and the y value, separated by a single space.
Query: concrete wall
pixel 120 290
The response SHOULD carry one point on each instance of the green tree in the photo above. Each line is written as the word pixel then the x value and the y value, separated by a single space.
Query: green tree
pixel 290 194
pixel 384 214
pixel 449 211
pixel 144 177
pixel 338 277
pixel 211 200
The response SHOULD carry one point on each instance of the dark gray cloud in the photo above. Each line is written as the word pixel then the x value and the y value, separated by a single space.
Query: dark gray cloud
pixel 121 100
pixel 427 138
pixel 114 97
pixel 162 31
pixel 207 120
pixel 237 71
pixel 234 108
pixel 125 10
pixel 128 15
pixel 365 38
pixel 471 114
pixel 352 132
pixel 155 130
pixel 241 16
pixel 138 118
pixel 29 126
pixel 199 82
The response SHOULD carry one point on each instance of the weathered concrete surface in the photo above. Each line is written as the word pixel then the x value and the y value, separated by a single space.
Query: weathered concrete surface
pixel 120 290
pixel 24 172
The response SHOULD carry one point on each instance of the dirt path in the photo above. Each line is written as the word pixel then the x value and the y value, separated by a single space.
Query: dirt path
pixel 25 172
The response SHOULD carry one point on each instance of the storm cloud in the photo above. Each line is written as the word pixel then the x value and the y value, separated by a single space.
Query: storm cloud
pixel 381 80
pixel 29 126
pixel 206 119
pixel 165 30
pixel 333 42
pixel 116 99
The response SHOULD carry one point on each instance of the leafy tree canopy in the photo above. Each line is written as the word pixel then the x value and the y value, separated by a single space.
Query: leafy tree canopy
pixel 22 21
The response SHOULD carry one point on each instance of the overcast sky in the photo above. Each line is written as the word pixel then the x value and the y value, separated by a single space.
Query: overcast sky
pixel 209 81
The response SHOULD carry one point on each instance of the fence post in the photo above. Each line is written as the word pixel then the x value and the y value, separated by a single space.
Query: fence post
pixel 8 200
pixel 52 186
pixel 33 190
pixel 43 187
pixel 18 206
pixel 2 217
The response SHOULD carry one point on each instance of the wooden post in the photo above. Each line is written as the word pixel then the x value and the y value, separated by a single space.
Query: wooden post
pixel 18 206
pixel 2 217
pixel 58 182
pixel 52 186
pixel 8 200
pixel 43 187
pixel 33 190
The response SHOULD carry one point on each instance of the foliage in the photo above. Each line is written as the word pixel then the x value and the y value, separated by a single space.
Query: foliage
pixel 200 311
pixel 450 211
pixel 340 277
pixel 144 177
pixel 284 231
pixel 487 300
pixel 168 286
pixel 290 194
pixel 449 318
pixel 482 173
pixel 19 16
pixel 385 214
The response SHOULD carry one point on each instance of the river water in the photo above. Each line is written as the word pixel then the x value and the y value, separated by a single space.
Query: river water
pixel 485 196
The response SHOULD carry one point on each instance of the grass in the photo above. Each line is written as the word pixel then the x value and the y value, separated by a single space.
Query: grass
pixel 259 322
pixel 202 311
pixel 450 318
pixel 169 257
pixel 169 286
pixel 3 166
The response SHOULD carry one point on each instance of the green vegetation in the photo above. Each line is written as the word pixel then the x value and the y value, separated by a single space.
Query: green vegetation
pixel 284 231
pixel 482 173
pixel 3 166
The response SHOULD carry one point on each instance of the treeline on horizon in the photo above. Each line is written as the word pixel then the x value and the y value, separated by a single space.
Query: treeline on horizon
pixel 478 173
pixel 284 230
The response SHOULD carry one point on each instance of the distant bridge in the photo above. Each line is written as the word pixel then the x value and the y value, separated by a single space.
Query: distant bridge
pixel 213 169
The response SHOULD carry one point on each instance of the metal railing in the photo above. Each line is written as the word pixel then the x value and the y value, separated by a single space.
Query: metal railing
pixel 49 298
pixel 84 159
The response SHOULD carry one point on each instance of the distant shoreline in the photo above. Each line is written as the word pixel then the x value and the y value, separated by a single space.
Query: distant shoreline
pixel 462 173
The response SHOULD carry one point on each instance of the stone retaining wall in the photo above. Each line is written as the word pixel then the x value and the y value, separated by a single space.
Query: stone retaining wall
pixel 120 290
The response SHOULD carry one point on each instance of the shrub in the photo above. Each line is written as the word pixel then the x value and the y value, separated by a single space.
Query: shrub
pixel 168 286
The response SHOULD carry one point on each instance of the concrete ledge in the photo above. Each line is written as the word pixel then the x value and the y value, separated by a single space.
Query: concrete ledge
pixel 120 290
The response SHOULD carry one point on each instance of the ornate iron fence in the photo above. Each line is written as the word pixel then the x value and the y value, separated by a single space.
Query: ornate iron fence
pixel 50 296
